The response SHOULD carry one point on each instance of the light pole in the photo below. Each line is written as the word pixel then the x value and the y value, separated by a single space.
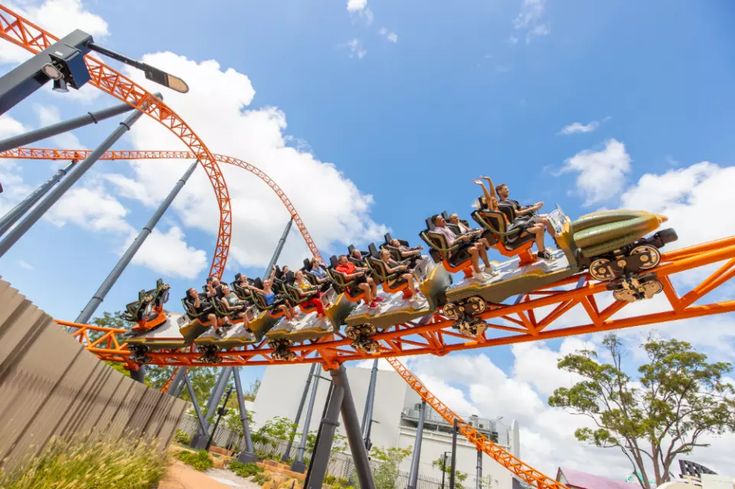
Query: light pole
pixel 444 466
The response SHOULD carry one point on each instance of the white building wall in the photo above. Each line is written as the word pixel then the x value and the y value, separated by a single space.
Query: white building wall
pixel 282 386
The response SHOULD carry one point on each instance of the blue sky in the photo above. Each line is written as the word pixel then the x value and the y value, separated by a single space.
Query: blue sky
pixel 409 101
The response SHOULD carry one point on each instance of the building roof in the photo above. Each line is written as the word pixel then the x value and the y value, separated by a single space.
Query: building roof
pixel 582 480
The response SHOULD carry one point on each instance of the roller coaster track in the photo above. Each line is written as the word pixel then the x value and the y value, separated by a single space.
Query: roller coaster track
pixel 572 306
pixel 78 154
pixel 27 35
pixel 502 456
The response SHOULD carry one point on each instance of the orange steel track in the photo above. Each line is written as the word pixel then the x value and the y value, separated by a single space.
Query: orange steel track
pixel 502 456
pixel 69 154
pixel 33 38
pixel 576 305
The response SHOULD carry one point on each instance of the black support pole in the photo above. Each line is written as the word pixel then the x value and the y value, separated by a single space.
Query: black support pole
pixel 125 259
pixel 279 248
pixel 34 214
pixel 287 454
pixel 413 474
pixel 12 216
pixel 367 415
pixel 298 464
pixel 199 440
pixel 248 454
pixel 455 429
pixel 478 470
pixel 325 438
pixel 352 429
pixel 63 126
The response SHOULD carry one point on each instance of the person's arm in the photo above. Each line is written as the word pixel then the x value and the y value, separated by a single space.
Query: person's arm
pixel 197 303
pixel 224 304
pixel 488 196
pixel 524 211
pixel 253 287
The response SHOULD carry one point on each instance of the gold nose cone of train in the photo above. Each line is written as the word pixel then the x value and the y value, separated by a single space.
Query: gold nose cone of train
pixel 604 231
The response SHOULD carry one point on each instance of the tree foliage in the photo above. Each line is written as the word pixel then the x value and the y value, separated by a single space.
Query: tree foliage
pixel 678 397
pixel 446 467
pixel 385 474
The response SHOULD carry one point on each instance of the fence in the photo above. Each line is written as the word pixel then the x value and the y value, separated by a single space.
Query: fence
pixel 50 387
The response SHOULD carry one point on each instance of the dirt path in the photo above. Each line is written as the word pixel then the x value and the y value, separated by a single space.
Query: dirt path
pixel 181 476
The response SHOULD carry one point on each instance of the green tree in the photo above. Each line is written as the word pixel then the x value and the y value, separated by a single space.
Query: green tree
pixel 273 433
pixel 678 397
pixel 459 476
pixel 385 473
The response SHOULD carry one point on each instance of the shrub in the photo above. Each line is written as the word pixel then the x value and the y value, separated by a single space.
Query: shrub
pixel 261 478
pixel 245 470
pixel 89 464
pixel 182 437
pixel 199 460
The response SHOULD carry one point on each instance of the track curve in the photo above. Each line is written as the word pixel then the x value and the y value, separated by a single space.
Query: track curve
pixel 69 154
pixel 29 36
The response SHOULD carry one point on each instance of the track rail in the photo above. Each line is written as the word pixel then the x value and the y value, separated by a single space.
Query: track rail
pixel 502 456
pixel 69 154
pixel 21 32
pixel 569 307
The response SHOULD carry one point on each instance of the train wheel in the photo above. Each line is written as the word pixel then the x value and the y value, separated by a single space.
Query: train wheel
pixel 351 332
pixel 475 305
pixel 451 311
pixel 281 350
pixel 651 288
pixel 138 354
pixel 601 270
pixel 364 343
pixel 472 327
pixel 625 295
pixel 649 256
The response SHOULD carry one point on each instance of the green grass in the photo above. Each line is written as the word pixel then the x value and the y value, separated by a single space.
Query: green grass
pixel 90 465
pixel 244 470
pixel 199 460
pixel 182 437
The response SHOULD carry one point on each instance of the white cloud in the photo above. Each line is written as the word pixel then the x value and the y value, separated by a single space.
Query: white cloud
pixel 90 208
pixel 332 207
pixel 25 265
pixel 360 9
pixel 47 115
pixel 169 254
pixel 59 17
pixel 578 128
pixel 356 5
pixel 388 35
pixel 11 174
pixel 474 384
pixel 356 48
pixel 601 174
pixel 696 199
pixel 530 21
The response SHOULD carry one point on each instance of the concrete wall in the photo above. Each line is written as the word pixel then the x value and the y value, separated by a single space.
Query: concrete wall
pixel 51 387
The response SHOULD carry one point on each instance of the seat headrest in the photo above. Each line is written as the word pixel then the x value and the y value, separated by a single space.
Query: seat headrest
pixel 388 237
pixel 333 261
pixel 373 250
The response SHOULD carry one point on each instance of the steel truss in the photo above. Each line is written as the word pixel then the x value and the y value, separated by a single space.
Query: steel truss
pixel 573 306
pixel 27 35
